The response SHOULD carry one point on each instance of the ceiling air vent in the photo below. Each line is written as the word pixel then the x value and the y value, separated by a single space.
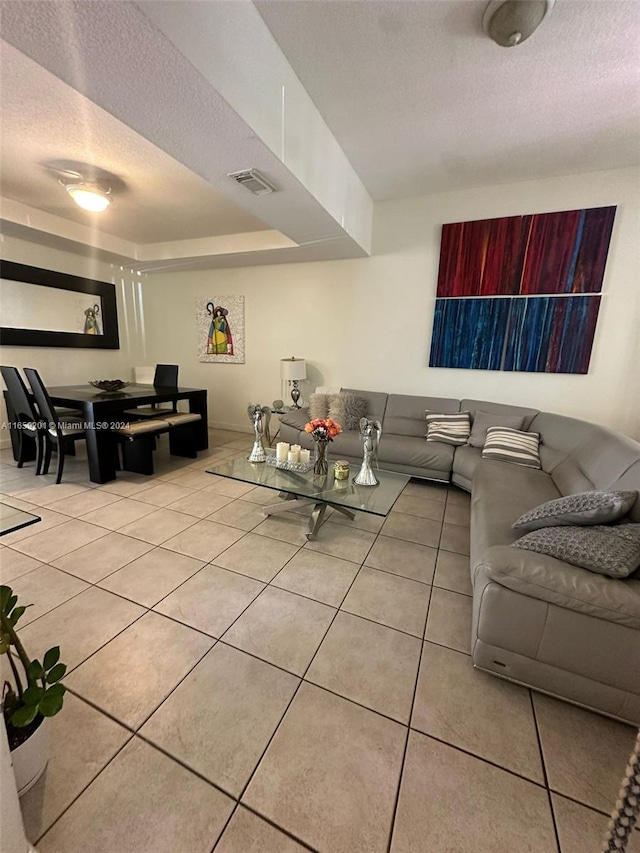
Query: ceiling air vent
pixel 253 181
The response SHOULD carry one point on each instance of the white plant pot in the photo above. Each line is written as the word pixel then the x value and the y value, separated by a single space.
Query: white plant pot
pixel 30 759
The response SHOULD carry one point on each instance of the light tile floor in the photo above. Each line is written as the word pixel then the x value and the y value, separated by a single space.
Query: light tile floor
pixel 235 688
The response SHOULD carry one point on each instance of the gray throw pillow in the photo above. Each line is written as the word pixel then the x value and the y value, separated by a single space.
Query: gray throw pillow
pixel 585 508
pixel 347 409
pixel 318 406
pixel 612 551
pixel 483 420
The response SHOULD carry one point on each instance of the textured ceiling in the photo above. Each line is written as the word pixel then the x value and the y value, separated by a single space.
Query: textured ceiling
pixel 421 100
pixel 415 93
pixel 156 199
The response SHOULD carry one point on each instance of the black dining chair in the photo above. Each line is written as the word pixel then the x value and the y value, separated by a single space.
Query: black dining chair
pixel 165 376
pixel 24 419
pixel 58 433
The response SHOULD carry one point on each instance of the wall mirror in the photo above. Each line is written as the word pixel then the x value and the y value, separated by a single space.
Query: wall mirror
pixel 42 308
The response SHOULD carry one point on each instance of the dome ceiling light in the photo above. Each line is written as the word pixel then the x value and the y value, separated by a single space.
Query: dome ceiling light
pixel 510 22
pixel 89 196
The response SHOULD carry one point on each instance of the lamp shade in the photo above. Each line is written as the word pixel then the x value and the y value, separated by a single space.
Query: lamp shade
pixel 293 368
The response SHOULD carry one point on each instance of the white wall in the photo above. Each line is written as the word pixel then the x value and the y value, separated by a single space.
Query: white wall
pixel 366 323
pixel 69 366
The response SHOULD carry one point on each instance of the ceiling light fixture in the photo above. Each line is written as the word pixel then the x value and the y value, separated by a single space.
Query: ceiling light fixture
pixel 89 196
pixel 510 22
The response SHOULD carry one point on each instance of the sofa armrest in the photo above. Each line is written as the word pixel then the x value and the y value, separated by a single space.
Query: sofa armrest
pixel 557 582
pixel 295 418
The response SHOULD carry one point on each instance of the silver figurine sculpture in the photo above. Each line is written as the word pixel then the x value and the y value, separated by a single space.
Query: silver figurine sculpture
pixel 259 417
pixel 370 432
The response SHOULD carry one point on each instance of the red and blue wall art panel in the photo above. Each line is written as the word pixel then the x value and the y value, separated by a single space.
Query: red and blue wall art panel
pixel 521 292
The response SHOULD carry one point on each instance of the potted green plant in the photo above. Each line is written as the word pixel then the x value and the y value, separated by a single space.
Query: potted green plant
pixel 35 694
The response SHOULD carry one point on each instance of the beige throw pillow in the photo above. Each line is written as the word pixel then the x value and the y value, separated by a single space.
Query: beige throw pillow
pixel 318 406
pixel 347 409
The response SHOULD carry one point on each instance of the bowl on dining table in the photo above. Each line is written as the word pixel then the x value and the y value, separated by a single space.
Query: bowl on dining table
pixel 108 386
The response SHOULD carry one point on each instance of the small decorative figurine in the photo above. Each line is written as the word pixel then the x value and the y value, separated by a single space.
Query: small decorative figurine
pixel 370 432
pixel 259 417
pixel 91 321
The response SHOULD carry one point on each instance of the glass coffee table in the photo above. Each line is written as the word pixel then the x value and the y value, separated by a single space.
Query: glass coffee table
pixel 12 519
pixel 320 491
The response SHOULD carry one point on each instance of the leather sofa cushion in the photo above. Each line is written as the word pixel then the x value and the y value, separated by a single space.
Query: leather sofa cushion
pixel 465 460
pixel 348 443
pixel 376 403
pixel 594 456
pixel 556 582
pixel 483 420
pixel 630 480
pixel 405 415
pixel 502 492
pixel 561 433
pixel 295 418
pixel 415 452
pixel 474 406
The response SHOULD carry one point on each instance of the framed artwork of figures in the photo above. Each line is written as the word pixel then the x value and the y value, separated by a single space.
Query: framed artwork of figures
pixel 220 325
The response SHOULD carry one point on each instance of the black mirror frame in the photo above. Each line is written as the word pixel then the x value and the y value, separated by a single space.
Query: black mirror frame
pixel 43 338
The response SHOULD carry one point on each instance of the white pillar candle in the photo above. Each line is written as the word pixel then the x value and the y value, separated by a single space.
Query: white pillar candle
pixel 293 456
pixel 296 448
pixel 282 449
pixel 305 456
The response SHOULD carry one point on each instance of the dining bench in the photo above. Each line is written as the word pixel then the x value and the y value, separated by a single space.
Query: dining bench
pixel 138 439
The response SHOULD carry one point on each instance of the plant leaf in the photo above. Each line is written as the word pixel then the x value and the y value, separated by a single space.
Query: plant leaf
pixel 5 644
pixel 56 689
pixel 5 594
pixel 33 694
pixel 17 613
pixel 56 673
pixel 11 604
pixel 24 715
pixel 34 670
pixel 51 657
pixel 50 704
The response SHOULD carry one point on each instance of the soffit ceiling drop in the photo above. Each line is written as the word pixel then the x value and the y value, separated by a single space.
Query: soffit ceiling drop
pixel 131 72
pixel 422 101
pixel 159 199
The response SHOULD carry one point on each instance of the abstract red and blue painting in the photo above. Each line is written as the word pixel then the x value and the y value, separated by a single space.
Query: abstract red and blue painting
pixel 543 272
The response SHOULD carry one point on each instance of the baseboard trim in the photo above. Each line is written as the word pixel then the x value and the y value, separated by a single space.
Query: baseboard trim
pixel 231 427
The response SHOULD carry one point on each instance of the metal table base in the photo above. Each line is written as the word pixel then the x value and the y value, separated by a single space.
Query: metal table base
pixel 317 518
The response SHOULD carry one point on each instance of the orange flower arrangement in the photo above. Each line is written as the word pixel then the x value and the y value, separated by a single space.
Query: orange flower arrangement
pixel 323 429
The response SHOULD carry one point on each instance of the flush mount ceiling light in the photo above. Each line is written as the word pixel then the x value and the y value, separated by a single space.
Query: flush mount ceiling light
pixel 510 22
pixel 89 196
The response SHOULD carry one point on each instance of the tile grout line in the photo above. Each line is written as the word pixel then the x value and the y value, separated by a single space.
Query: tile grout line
pixel 544 771
pixel 80 793
pixel 396 802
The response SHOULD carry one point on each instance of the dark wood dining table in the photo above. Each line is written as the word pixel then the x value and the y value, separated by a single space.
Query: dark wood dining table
pixel 100 411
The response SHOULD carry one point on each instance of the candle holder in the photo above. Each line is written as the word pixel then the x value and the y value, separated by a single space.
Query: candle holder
pixel 296 467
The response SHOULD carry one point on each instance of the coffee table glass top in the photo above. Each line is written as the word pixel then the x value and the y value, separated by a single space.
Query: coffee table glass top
pixel 14 519
pixel 376 500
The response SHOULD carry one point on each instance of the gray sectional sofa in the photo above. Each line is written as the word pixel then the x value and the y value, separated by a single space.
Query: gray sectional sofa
pixel 537 620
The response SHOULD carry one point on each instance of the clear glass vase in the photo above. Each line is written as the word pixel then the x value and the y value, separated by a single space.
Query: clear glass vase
pixel 320 463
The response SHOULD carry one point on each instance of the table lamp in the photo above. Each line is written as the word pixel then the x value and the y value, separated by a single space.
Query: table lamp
pixel 293 370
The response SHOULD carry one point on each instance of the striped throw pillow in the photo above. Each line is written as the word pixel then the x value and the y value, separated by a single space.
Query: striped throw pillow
pixel 512 445
pixel 449 429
